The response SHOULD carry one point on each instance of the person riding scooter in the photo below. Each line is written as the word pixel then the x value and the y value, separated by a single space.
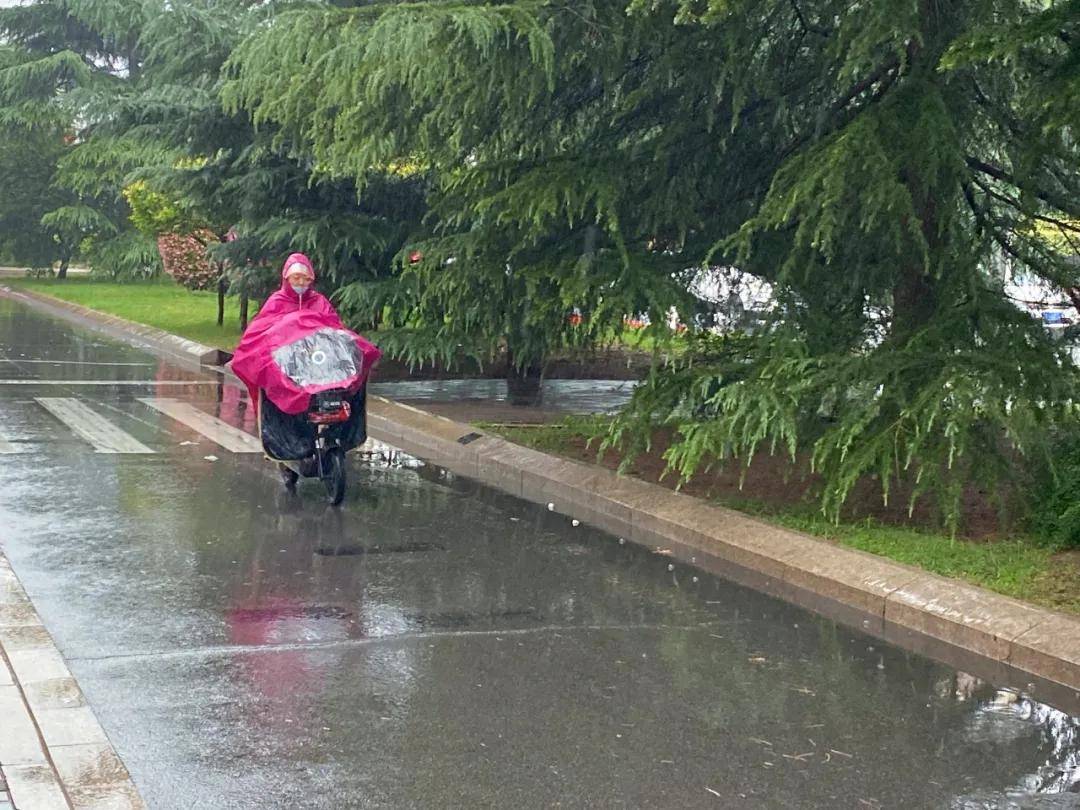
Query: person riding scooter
pixel 307 374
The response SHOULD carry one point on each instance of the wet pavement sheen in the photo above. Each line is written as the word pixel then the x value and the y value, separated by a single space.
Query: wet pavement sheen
pixel 436 643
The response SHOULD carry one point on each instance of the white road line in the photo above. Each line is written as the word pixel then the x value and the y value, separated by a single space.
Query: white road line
pixel 217 431
pixel 110 382
pixel 91 426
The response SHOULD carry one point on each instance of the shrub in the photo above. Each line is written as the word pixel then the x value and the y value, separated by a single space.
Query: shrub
pixel 184 257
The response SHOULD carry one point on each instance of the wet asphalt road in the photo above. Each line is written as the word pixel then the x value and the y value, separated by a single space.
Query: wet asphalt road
pixel 437 644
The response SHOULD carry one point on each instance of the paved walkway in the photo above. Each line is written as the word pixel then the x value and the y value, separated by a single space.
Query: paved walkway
pixel 54 754
pixel 20 272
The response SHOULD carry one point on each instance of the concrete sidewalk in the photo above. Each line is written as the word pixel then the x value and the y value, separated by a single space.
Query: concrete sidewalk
pixel 54 754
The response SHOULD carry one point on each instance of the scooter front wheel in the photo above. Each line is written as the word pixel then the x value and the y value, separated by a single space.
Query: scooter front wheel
pixel 334 475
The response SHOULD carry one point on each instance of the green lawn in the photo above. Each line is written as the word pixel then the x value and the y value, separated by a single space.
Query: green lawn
pixel 162 304
pixel 1021 567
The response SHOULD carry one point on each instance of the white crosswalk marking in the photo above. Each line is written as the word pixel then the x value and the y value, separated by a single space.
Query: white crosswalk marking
pixel 91 426
pixel 217 431
pixel 7 447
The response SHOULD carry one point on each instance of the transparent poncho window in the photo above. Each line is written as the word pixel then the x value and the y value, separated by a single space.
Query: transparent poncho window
pixel 325 357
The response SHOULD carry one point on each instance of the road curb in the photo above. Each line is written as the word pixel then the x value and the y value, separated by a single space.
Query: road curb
pixel 54 755
pixel 1003 640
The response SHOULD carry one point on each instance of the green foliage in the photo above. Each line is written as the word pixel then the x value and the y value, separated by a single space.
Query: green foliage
pixel 153 213
pixel 526 190
pixel 128 256
pixel 520 177
pixel 1056 510
pixel 28 159
pixel 917 420
pixel 60 59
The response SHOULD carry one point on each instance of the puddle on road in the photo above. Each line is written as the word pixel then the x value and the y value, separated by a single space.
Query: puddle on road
pixel 358 550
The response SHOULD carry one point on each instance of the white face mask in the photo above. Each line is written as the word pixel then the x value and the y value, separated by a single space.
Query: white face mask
pixel 300 289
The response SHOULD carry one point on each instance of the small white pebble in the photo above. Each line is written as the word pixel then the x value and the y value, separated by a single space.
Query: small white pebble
pixel 551 507
pixel 622 541
pixel 670 567
pixel 210 458
pixel 575 522
pixel 694 579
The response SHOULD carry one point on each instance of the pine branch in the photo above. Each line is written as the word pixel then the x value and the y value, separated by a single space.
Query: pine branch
pixel 810 29
pixel 998 173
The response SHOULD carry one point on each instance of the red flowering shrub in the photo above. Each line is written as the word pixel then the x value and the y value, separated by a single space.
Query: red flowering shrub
pixel 184 257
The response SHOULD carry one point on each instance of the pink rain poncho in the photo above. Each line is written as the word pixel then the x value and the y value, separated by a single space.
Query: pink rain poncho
pixel 289 326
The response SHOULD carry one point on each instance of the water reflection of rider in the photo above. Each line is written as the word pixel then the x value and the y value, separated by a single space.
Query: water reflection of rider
pixel 286 607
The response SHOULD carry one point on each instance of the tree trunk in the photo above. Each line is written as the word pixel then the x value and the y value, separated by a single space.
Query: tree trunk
pixel 243 312
pixel 915 292
pixel 523 385
pixel 915 300
pixel 61 273
pixel 222 286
